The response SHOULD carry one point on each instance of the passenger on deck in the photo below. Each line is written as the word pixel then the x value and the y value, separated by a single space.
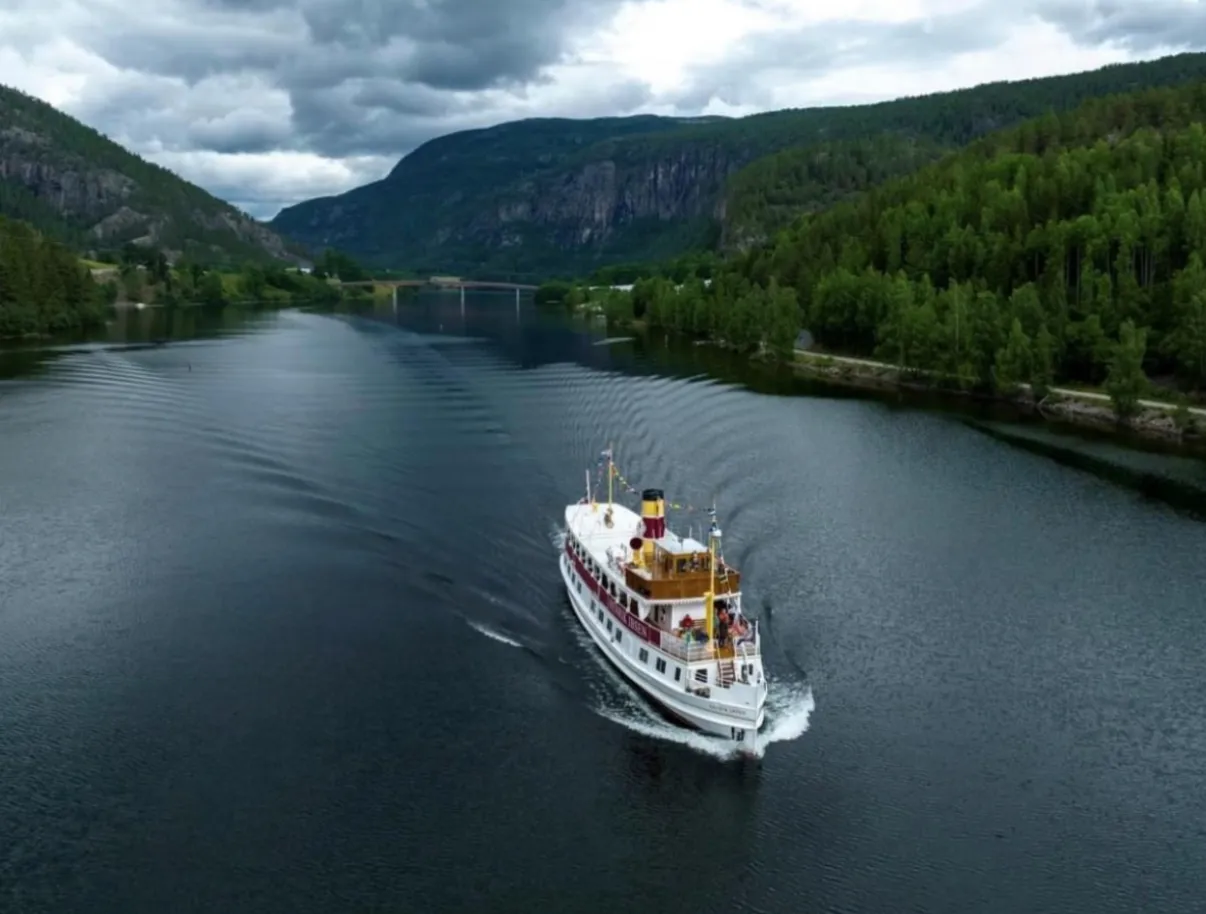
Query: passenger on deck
pixel 742 630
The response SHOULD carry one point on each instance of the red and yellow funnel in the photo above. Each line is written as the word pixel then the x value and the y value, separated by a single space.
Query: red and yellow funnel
pixel 653 526
pixel 653 514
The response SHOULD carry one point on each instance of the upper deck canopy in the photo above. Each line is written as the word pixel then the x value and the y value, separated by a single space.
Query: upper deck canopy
pixel 680 545
pixel 680 567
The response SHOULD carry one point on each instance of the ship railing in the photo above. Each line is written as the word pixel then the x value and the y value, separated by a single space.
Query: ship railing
pixel 684 649
pixel 751 642
pixel 691 650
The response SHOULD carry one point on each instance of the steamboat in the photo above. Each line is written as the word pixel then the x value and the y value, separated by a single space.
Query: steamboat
pixel 666 611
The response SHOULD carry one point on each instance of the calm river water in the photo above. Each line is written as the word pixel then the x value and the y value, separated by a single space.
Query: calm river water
pixel 282 630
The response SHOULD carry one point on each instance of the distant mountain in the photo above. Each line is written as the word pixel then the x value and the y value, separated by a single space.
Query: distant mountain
pixel 468 198
pixel 75 185
pixel 560 196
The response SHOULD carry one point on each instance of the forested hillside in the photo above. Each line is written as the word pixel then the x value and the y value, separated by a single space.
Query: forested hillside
pixel 1070 248
pixel 772 192
pixel 43 286
pixel 564 197
pixel 77 186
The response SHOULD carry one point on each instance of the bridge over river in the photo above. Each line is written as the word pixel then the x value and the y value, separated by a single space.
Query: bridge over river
pixel 445 282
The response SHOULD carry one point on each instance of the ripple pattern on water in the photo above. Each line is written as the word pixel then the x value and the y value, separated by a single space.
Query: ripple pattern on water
pixel 281 628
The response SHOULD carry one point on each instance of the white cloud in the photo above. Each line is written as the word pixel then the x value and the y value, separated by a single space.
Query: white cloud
pixel 270 102
pixel 660 42
pixel 259 182
pixel 1027 49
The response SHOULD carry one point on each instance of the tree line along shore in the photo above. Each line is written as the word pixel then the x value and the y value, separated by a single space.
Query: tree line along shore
pixel 47 290
pixel 1059 264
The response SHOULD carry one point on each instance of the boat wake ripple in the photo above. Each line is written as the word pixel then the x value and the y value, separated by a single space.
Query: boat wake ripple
pixel 788 712
pixel 492 634
pixel 611 340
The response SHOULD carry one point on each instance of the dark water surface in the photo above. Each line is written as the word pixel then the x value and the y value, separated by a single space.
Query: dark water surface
pixel 281 630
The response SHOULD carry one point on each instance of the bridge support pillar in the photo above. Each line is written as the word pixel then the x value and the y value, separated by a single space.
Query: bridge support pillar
pixel 394 296
pixel 462 299
pixel 517 300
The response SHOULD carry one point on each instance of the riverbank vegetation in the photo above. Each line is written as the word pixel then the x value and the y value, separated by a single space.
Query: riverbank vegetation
pixel 43 286
pixel 1069 251
pixel 47 290
pixel 142 274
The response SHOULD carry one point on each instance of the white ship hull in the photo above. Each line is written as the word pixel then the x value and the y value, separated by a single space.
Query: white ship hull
pixel 721 696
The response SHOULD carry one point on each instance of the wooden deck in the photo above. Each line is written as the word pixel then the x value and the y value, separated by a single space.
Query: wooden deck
pixel 691 585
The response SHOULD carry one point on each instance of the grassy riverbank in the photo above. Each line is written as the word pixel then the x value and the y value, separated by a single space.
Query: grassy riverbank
pixel 1151 417
pixel 1136 407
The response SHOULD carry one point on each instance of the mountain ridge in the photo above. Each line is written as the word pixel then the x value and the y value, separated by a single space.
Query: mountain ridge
pixel 74 184
pixel 607 190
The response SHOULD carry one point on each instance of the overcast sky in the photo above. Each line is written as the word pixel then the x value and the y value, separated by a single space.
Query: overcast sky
pixel 268 102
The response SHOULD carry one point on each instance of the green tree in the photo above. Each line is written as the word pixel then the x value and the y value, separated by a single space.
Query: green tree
pixel 1042 375
pixel 1126 382
pixel 210 290
pixel 552 292
pixel 782 321
pixel 1014 362
pixel 43 287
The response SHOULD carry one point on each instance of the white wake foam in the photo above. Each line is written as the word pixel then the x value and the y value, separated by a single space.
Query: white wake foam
pixel 612 339
pixel 789 712
pixel 787 719
pixel 654 728
pixel 492 634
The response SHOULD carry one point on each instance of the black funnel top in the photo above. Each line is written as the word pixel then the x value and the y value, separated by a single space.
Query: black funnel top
pixel 652 495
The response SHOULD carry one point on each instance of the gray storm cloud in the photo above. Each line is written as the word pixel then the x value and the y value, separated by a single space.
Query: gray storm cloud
pixel 1137 25
pixel 370 77
pixel 375 78
pixel 362 76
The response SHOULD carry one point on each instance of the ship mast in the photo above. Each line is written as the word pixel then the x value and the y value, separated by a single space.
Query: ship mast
pixel 610 473
pixel 710 596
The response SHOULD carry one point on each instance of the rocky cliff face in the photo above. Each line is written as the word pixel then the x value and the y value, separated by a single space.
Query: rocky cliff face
pixel 555 196
pixel 569 216
pixel 74 183
pixel 594 205
pixel 523 196
pixel 70 188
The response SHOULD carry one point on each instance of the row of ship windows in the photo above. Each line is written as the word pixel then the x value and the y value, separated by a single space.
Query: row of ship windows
pixel 659 663
pixel 608 584
pixel 620 595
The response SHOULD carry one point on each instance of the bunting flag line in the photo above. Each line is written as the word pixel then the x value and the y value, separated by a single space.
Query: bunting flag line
pixel 630 488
